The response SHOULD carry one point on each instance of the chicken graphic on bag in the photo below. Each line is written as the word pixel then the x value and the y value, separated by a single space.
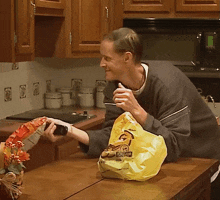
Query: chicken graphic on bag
pixel 119 148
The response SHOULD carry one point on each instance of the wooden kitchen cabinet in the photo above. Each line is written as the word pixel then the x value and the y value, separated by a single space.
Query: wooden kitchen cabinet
pixel 198 8
pixel 146 5
pixel 49 7
pixel 58 4
pixel 197 5
pixel 25 33
pixel 172 9
pixel 56 28
pixel 87 21
pixel 24 27
pixel 80 32
pixel 50 36
pixel 17 31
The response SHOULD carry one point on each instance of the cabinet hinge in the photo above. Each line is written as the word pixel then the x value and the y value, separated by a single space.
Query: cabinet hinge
pixel 33 4
pixel 70 38
pixel 15 38
pixel 106 9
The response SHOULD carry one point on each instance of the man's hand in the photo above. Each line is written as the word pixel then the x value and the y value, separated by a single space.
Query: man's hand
pixel 73 132
pixel 51 128
pixel 124 99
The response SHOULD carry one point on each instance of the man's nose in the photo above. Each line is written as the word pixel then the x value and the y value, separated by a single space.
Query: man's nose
pixel 102 63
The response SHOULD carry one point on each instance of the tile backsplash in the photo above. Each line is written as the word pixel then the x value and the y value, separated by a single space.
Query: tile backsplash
pixel 22 87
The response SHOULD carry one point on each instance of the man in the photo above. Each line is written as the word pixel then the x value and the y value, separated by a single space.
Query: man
pixel 160 97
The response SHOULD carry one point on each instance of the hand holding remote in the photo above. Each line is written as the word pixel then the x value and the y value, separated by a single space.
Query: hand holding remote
pixel 60 129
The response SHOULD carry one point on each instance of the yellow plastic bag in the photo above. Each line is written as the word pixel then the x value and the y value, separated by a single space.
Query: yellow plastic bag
pixel 132 153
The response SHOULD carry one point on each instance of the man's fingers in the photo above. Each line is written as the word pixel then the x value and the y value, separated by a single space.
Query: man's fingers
pixel 121 86
pixel 119 89
pixel 53 128
pixel 120 100
pixel 50 129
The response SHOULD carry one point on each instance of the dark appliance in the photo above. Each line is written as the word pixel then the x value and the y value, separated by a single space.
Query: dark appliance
pixel 67 116
pixel 209 46
pixel 205 32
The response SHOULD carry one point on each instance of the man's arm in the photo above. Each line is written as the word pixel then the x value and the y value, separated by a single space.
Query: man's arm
pixel 175 127
pixel 73 132
pixel 124 99
pixel 92 142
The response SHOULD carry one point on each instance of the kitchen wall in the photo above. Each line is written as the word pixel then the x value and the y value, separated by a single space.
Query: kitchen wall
pixel 23 89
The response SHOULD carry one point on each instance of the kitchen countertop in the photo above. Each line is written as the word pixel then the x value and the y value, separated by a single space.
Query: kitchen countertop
pixel 9 126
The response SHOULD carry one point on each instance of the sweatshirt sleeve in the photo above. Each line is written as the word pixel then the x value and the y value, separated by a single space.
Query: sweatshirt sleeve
pixel 174 128
pixel 98 139
pixel 169 101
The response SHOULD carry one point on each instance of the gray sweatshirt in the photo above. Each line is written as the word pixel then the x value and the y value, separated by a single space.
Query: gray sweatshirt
pixel 175 111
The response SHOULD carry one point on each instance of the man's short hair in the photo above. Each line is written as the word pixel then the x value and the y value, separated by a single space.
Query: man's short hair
pixel 126 39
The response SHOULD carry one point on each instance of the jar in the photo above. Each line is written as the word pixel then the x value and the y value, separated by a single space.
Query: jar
pixel 100 97
pixel 53 100
pixel 86 97
pixel 67 96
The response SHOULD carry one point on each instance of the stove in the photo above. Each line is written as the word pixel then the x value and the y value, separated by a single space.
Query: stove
pixel 67 116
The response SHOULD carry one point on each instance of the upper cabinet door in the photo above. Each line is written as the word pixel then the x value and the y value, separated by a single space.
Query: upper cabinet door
pixel 59 4
pixel 90 21
pixel 197 5
pixel 24 23
pixel 7 50
pixel 147 5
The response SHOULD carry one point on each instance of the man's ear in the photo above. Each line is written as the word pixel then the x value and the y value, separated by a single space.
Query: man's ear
pixel 128 56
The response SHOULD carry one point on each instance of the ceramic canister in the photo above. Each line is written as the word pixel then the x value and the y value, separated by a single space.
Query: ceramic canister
pixel 53 100
pixel 67 96
pixel 86 97
pixel 100 97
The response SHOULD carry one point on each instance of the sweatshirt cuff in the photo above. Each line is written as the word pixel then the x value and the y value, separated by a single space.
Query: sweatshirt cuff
pixel 84 148
pixel 93 149
pixel 148 123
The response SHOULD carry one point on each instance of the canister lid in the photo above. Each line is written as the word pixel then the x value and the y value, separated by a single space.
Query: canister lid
pixel 65 90
pixel 53 95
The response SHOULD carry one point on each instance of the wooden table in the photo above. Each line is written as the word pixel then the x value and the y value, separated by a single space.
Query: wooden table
pixel 78 178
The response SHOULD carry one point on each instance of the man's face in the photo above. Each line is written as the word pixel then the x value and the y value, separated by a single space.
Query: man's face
pixel 112 62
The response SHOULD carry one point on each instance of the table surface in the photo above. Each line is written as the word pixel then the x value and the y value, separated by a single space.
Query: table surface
pixel 78 178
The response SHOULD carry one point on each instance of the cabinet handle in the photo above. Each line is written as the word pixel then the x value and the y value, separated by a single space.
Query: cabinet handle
pixel 106 9
pixel 34 7
pixel 70 38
